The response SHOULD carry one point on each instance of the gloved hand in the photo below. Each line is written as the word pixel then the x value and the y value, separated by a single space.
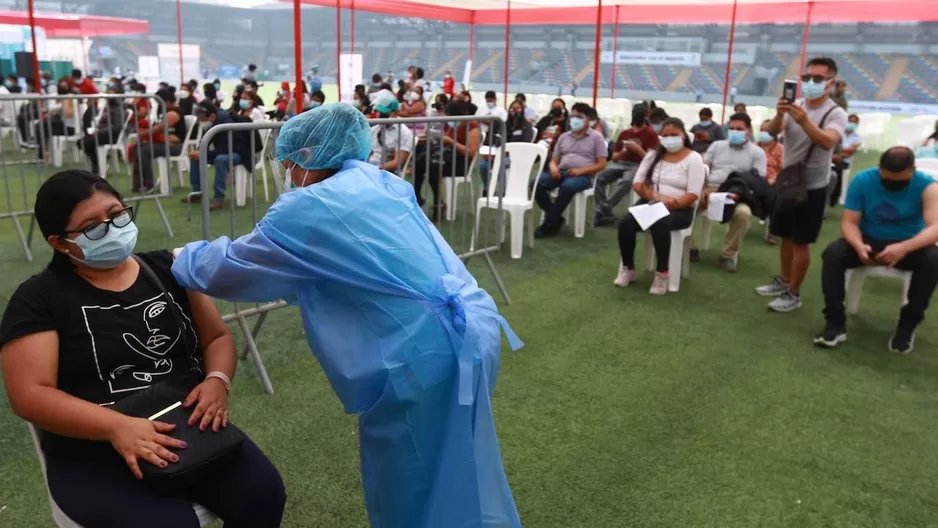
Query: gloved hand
pixel 176 253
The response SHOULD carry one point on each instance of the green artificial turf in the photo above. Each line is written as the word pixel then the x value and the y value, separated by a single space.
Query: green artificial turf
pixel 697 409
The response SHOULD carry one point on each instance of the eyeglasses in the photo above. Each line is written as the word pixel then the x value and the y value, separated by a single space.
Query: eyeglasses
pixel 816 78
pixel 122 218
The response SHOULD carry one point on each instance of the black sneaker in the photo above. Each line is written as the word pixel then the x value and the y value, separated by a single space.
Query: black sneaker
pixel 832 336
pixel 902 341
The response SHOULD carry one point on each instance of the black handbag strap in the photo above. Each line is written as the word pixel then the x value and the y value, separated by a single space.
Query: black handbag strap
pixel 821 126
pixel 173 308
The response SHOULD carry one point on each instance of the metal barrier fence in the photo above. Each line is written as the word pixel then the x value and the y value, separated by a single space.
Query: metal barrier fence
pixel 102 127
pixel 443 151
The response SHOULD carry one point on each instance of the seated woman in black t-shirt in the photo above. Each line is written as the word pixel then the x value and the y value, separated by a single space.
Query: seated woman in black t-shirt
pixel 93 328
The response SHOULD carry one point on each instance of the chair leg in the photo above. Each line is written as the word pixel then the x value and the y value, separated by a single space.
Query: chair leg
pixel 579 214
pixel 854 279
pixel 530 223
pixel 517 233
pixel 675 262
pixel 264 175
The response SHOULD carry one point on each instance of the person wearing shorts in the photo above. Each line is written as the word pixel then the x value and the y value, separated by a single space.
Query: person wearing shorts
pixel 814 121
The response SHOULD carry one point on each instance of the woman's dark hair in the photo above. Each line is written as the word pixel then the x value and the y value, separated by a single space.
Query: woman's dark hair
pixel 57 198
pixel 561 101
pixel 376 78
pixel 659 152
pixel 457 108
pixel 209 90
pixel 934 135
pixel 441 99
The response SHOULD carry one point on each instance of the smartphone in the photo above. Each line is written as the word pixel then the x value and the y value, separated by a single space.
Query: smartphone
pixel 789 90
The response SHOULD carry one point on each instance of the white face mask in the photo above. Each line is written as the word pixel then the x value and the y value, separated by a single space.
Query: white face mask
pixel 289 185
pixel 672 143
pixel 413 97
pixel 184 94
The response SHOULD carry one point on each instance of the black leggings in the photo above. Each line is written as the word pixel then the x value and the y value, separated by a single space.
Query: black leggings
pixel 660 233
pixel 424 171
pixel 245 492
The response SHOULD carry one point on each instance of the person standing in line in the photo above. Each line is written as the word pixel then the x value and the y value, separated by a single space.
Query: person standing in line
pixel 813 127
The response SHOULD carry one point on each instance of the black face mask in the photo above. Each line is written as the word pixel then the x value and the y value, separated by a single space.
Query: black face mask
pixel 895 185
pixel 556 112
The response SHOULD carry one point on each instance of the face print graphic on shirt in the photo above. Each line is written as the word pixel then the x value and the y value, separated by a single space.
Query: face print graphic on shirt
pixel 136 345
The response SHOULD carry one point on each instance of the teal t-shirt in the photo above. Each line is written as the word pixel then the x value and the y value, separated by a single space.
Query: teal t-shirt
pixel 888 216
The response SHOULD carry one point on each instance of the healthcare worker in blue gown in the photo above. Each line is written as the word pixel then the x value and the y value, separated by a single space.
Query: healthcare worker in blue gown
pixel 407 338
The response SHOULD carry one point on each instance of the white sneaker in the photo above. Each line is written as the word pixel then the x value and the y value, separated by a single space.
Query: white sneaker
pixel 659 286
pixel 774 288
pixel 624 278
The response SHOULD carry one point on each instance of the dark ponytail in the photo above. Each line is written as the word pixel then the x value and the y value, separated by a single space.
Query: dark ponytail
pixel 659 152
pixel 57 198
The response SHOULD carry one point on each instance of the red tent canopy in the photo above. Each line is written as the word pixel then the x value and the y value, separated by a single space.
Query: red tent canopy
pixel 657 12
pixel 58 25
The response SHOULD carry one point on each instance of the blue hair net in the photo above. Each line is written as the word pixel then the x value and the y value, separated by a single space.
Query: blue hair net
pixel 325 137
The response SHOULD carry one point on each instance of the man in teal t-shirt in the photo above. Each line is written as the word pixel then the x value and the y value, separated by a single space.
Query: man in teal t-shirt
pixel 890 219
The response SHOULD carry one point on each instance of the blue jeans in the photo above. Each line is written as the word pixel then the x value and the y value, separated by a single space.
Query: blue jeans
pixel 567 187
pixel 221 173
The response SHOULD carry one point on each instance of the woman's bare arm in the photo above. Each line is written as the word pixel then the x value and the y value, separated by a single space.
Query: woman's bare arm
pixel 218 347
pixel 30 368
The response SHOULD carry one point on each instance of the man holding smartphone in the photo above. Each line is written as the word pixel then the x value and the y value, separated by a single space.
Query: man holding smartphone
pixel 800 226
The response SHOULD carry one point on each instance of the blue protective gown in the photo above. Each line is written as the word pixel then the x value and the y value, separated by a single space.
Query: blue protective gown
pixel 405 335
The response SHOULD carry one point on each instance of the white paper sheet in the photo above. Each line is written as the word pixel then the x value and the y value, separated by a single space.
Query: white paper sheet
pixel 647 214
pixel 716 204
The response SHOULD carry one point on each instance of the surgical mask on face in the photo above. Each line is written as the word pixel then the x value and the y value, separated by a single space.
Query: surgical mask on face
pixel 765 137
pixel 736 137
pixel 8 83
pixel 248 89
pixel 314 104
pixel 184 94
pixel 413 97
pixel 672 143
pixel 577 123
pixel 452 124
pixel 813 90
pixel 217 86
pixel 357 104
pixel 490 105
pixel 895 185
pixel 109 251
pixel 292 186
pixel 706 123
pixel 851 127
pixel 657 128
pixel 244 104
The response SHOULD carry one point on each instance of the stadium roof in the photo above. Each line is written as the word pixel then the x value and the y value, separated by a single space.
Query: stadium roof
pixel 58 25
pixel 492 12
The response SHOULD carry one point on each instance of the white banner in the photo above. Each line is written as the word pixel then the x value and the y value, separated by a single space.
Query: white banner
pixel 467 76
pixel 148 68
pixel 352 74
pixel 663 58
pixel 169 61
pixel 892 108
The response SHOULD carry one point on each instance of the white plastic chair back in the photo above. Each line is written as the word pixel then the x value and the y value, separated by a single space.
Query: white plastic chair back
pixel 928 166
pixel 524 157
pixel 911 132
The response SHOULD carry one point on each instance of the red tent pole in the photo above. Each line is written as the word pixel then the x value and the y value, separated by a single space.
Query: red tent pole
pixel 507 50
pixel 37 78
pixel 599 22
pixel 804 40
pixel 182 75
pixel 352 48
pixel 298 54
pixel 729 62
pixel 615 48
pixel 338 45
pixel 472 46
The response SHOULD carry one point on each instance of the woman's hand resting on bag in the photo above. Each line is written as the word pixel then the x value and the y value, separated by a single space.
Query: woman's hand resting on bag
pixel 138 438
pixel 211 404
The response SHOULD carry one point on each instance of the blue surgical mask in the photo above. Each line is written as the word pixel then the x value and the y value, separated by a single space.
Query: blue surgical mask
pixel 244 104
pixel 109 251
pixel 813 90
pixel 851 127
pixel 8 83
pixel 736 137
pixel 765 137
pixel 672 143
pixel 577 123
pixel 490 105
pixel 657 128
pixel 217 86
pixel 705 124
pixel 314 104
pixel 452 124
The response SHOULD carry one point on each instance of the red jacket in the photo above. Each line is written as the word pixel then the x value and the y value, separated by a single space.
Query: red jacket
pixel 449 86
pixel 86 87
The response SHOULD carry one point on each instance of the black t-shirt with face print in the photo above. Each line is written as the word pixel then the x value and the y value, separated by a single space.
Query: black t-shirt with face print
pixel 111 344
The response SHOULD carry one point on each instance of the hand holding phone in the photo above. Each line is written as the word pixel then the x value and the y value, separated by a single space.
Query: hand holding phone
pixel 789 90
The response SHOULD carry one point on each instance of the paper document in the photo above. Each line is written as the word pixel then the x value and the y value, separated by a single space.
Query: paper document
pixel 647 214
pixel 716 205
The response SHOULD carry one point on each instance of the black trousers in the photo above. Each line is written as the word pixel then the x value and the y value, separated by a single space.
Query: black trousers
pixel 424 171
pixel 840 256
pixel 660 233
pixel 839 169
pixel 99 491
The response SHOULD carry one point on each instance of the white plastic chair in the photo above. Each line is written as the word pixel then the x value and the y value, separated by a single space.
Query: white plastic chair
pixel 451 184
pixel 856 277
pixel 872 130
pixel 518 199
pixel 58 143
pixel 844 184
pixel 164 163
pixel 63 521
pixel 678 260
pixel 241 176
pixel 115 151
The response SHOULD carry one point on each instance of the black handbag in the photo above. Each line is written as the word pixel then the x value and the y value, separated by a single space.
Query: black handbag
pixel 162 402
pixel 791 184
